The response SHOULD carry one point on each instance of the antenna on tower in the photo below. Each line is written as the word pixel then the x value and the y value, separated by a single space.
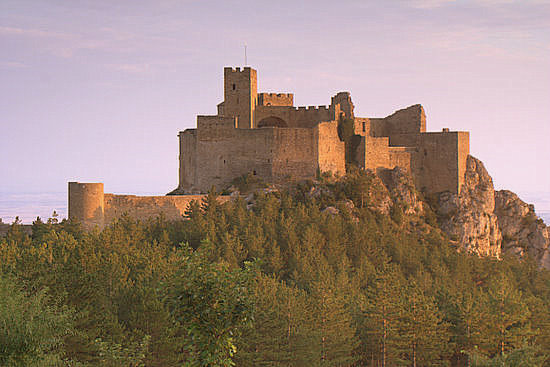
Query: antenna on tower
pixel 245 60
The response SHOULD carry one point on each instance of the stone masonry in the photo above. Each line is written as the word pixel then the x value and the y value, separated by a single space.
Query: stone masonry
pixel 265 135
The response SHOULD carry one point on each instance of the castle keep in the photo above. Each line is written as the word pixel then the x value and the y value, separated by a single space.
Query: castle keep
pixel 265 135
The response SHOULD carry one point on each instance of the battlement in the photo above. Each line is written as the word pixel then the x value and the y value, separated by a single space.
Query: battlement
pixel 229 69
pixel 275 99
pixel 273 95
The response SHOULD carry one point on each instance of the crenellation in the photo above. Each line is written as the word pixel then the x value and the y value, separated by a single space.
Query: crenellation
pixel 265 135
pixel 436 160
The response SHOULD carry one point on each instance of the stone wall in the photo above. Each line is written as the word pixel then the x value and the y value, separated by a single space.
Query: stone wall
pixel 401 157
pixel 240 95
pixel 89 205
pixel 86 203
pixel 233 154
pixel 439 162
pixel 332 151
pixel 188 158
pixel 294 153
pixel 172 207
pixel 373 153
pixel 295 116
pixel 409 120
pixel 275 99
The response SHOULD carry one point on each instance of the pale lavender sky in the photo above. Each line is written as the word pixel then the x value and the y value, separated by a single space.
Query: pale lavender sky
pixel 98 90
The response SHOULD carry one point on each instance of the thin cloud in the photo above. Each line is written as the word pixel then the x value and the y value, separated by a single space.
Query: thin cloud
pixel 29 32
pixel 12 65
pixel 429 4
pixel 131 68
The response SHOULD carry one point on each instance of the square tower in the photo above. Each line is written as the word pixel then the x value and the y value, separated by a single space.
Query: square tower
pixel 240 95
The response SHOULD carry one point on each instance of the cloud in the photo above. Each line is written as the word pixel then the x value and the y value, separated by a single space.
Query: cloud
pixel 131 68
pixel 12 65
pixel 29 32
pixel 429 4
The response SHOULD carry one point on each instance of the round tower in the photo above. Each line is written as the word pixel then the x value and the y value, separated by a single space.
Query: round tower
pixel 86 203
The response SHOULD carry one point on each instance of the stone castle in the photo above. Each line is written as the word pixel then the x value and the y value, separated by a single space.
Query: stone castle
pixel 263 134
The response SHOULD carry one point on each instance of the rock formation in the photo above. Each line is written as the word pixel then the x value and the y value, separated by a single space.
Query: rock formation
pixel 402 190
pixel 490 223
pixel 469 217
pixel 522 231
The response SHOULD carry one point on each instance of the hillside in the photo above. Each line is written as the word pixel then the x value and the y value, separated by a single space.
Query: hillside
pixel 355 271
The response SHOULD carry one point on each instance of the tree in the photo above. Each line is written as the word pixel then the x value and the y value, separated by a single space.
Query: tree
pixel 32 331
pixel 210 305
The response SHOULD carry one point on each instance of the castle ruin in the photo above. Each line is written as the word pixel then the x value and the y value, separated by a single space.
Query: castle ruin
pixel 263 134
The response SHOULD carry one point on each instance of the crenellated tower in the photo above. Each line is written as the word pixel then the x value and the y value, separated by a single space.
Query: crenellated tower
pixel 240 96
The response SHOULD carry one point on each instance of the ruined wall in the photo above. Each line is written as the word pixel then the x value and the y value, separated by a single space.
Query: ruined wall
pixel 275 99
pixel 332 151
pixel 295 116
pixel 406 121
pixel 362 126
pixel 342 106
pixel 86 203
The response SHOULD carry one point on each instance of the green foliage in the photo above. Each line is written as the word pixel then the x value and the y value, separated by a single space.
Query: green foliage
pixel 351 289
pixel 210 304
pixel 32 330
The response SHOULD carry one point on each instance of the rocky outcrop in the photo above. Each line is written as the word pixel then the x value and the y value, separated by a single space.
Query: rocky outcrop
pixel 401 186
pixel 490 223
pixel 522 232
pixel 469 217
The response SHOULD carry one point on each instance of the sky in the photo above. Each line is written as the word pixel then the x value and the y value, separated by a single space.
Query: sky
pixel 97 91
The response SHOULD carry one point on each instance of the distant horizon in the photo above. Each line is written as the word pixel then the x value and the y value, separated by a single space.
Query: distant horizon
pixel 26 204
pixel 97 91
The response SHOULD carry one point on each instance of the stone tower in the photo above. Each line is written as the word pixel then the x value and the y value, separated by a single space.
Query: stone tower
pixel 240 96
pixel 86 203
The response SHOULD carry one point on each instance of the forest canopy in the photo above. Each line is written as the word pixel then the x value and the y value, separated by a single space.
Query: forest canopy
pixel 281 282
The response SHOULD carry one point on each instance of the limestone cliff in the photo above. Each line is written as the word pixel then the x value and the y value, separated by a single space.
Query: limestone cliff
pixel 490 223
pixel 522 231
pixel 469 217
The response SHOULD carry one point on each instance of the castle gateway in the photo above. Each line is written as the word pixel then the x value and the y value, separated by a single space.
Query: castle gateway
pixel 265 135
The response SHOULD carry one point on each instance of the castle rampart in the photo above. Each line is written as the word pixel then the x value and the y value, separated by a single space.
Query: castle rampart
pixel 90 206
